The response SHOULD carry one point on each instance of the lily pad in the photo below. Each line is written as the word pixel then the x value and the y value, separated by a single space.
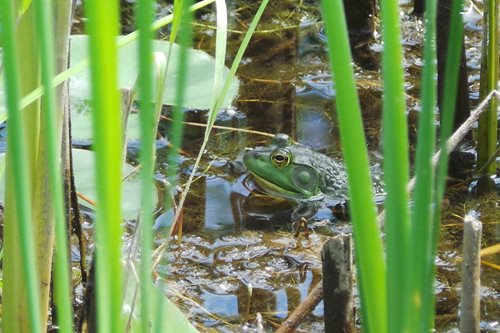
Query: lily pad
pixel 172 318
pixel 199 81
pixel 81 123
pixel 83 161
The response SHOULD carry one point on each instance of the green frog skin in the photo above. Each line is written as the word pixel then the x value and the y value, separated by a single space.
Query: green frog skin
pixel 295 171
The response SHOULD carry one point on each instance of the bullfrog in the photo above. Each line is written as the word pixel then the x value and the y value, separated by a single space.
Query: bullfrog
pixel 291 170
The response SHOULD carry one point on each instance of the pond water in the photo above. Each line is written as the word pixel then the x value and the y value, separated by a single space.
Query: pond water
pixel 239 255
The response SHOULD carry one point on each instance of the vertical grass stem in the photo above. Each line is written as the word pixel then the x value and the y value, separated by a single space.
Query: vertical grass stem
pixel 102 26
pixel 17 162
pixel 52 140
pixel 368 245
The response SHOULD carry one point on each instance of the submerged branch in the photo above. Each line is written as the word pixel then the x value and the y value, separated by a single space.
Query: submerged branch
pixel 303 310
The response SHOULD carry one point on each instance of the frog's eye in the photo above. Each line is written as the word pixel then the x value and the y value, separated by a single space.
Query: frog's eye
pixel 281 158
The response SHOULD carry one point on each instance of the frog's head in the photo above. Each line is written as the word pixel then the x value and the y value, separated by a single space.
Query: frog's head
pixel 280 169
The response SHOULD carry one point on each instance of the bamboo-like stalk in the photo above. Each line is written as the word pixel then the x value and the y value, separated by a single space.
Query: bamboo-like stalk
pixel 144 15
pixel 488 123
pixel 368 245
pixel 102 26
pixel 447 113
pixel 396 168
pixel 183 26
pixel 20 293
pixel 51 139
pixel 422 212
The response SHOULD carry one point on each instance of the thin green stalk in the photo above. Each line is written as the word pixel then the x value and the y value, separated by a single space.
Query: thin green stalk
pixel 145 14
pixel 422 211
pixel 185 39
pixel 218 103
pixel 220 59
pixel 174 29
pixel 43 15
pixel 368 245
pixel 17 163
pixel 160 63
pixel 102 27
pixel 488 122
pixel 396 167
pixel 447 113
pixel 175 135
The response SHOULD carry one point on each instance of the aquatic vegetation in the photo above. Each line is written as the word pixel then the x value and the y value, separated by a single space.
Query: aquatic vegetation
pixel 224 260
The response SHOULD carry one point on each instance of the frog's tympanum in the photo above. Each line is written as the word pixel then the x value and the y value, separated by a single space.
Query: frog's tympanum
pixel 295 171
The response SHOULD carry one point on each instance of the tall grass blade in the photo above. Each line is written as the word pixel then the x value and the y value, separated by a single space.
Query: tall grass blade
pixel 447 113
pixel 52 130
pixel 144 17
pixel 102 27
pixel 368 245
pixel 220 57
pixel 396 166
pixel 185 39
pixel 422 210
pixel 175 135
pixel 218 102
pixel 25 4
pixel 174 29
pixel 17 185
pixel 488 122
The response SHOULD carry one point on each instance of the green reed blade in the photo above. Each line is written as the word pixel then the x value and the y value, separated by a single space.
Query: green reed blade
pixel 221 46
pixel 175 135
pixel 52 140
pixel 396 167
pixel 17 162
pixel 25 4
pixel 447 113
pixel 144 15
pixel 237 61
pixel 102 27
pixel 368 245
pixel 174 30
pixel 488 122
pixel 185 39
pixel 422 210
pixel 220 59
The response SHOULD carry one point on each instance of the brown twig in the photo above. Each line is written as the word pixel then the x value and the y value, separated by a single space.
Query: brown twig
pixel 303 310
pixel 233 129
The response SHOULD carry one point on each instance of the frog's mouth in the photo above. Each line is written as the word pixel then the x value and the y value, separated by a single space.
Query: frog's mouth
pixel 279 191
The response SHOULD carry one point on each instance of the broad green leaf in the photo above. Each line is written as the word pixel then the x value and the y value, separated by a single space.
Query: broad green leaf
pixel 172 317
pixel 83 161
pixel 81 123
pixel 85 183
pixel 200 75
